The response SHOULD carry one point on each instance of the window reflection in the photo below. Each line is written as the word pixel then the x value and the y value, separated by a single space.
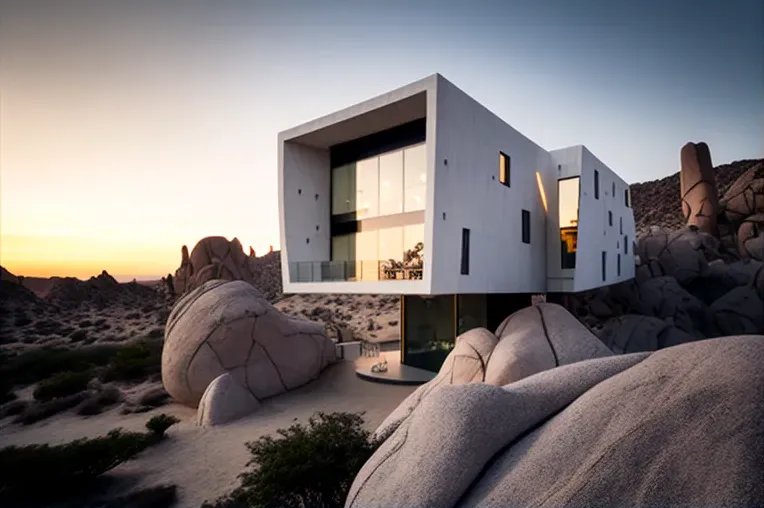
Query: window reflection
pixel 391 183
pixel 568 192
pixel 343 189
pixel 415 178
pixel 367 191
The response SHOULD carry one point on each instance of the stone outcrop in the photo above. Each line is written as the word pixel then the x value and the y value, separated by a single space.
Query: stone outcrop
pixel 700 202
pixel 228 327
pixel 216 258
pixel 703 280
pixel 529 341
pixel 600 432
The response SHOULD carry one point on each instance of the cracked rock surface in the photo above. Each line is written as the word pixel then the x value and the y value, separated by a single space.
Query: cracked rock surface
pixel 228 327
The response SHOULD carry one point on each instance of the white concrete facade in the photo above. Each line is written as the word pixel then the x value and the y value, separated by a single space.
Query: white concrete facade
pixel 463 145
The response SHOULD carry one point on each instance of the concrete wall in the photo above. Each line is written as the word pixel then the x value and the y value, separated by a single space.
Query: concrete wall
pixel 467 190
pixel 596 235
pixel 567 164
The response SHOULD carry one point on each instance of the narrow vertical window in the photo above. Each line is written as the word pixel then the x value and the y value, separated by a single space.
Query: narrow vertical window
pixel 505 167
pixel 596 184
pixel 610 218
pixel 619 265
pixel 526 226
pixel 626 197
pixel 612 193
pixel 465 251
pixel 604 267
pixel 626 244
pixel 620 222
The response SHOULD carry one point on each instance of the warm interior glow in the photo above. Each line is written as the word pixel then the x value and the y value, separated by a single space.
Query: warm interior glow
pixel 541 191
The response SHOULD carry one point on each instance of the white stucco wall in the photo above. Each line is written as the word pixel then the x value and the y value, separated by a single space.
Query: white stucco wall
pixel 467 190
pixel 463 144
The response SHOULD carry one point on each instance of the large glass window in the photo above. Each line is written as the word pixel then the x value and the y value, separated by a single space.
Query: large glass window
pixel 568 193
pixel 391 252
pixel 428 330
pixel 391 183
pixel 413 256
pixel 471 313
pixel 414 178
pixel 367 253
pixel 367 188
pixel 343 189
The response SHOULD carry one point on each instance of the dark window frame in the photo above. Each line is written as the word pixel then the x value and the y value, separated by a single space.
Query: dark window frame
pixel 610 218
pixel 526 226
pixel 507 161
pixel 465 264
pixel 613 191
pixel 625 244
pixel 604 266
pixel 619 265
pixel 626 197
pixel 596 184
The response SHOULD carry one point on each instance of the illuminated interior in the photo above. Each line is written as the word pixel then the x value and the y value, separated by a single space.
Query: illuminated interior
pixel 568 192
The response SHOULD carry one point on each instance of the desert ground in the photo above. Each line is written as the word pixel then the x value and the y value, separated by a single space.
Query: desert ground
pixel 120 328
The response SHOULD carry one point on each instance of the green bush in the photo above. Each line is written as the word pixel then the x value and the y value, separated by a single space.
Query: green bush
pixel 308 466
pixel 37 411
pixel 65 469
pixel 134 362
pixel 61 385
pixel 159 424
pixel 38 364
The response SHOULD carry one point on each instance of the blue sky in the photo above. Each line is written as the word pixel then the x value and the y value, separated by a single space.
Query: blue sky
pixel 147 124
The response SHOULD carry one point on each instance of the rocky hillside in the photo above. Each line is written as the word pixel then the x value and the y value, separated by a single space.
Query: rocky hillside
pixel 657 203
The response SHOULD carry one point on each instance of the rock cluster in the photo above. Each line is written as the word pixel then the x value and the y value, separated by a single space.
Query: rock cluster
pixel 597 432
pixel 216 258
pixel 704 280
pixel 227 328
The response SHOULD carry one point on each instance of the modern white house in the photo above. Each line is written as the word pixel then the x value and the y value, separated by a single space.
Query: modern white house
pixel 423 192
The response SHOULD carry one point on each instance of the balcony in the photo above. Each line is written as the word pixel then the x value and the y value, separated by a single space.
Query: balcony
pixel 346 271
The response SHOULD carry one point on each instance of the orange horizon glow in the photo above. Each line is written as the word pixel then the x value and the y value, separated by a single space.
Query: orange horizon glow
pixel 75 256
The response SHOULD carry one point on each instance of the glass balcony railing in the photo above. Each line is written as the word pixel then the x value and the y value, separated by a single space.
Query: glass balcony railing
pixel 342 271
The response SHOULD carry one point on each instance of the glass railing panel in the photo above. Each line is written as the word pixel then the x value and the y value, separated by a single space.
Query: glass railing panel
pixel 346 271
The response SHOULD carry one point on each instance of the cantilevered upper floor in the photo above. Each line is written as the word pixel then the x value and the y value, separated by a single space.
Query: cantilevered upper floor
pixel 423 190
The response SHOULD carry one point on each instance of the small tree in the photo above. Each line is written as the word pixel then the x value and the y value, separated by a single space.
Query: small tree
pixel 159 424
pixel 310 466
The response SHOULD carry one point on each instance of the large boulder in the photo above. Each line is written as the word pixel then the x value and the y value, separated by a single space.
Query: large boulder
pixel 740 311
pixel 682 254
pixel 700 201
pixel 529 341
pixel 213 258
pixel 228 327
pixel 746 196
pixel 632 333
pixel 678 427
pixel 750 237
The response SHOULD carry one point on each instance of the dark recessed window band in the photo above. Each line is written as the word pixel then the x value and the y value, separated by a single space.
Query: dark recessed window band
pixel 410 133
pixel 339 227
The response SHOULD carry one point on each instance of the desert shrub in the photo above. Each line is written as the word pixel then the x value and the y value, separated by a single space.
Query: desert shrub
pixel 133 315
pixel 160 496
pixel 156 333
pixel 13 408
pixel 61 385
pixel 134 362
pixel 37 411
pixel 85 323
pixel 95 403
pixel 39 364
pixel 78 335
pixel 159 424
pixel 65 469
pixel 310 465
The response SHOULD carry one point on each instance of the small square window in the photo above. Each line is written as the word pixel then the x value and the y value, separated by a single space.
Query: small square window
pixel 465 251
pixel 596 184
pixel 505 167
pixel 526 226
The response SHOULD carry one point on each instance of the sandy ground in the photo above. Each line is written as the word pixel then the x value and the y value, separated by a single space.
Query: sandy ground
pixel 204 463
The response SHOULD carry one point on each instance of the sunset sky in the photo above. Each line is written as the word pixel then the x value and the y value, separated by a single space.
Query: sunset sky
pixel 128 129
